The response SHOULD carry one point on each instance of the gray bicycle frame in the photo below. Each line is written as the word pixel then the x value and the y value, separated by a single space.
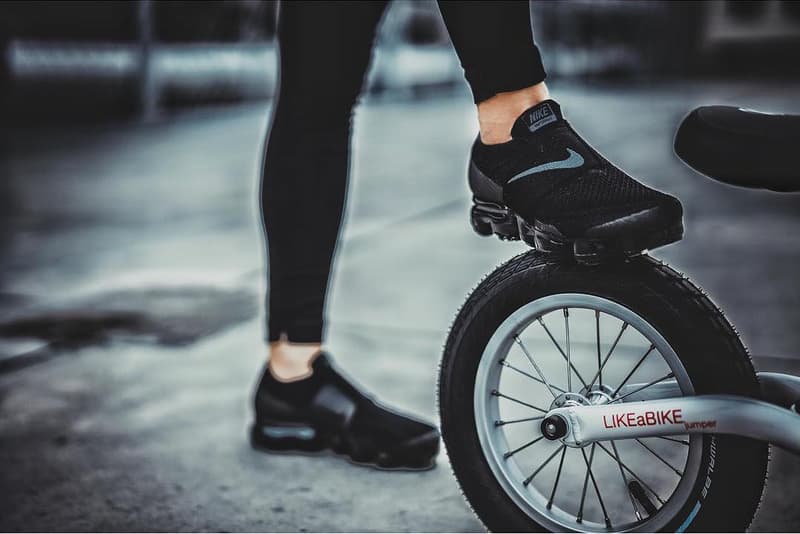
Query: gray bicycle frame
pixel 665 412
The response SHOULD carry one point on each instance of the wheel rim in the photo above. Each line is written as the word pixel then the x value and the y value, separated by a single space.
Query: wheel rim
pixel 575 482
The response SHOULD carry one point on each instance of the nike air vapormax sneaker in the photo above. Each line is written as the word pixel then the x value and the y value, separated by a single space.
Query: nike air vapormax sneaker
pixel 552 189
pixel 326 412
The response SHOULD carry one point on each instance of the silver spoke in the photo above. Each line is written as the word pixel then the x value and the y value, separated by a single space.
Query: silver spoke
pixel 509 454
pixel 634 475
pixel 569 357
pixel 654 453
pixel 637 390
pixel 564 354
pixel 635 367
pixel 681 441
pixel 520 371
pixel 597 329
pixel 596 489
pixel 512 399
pixel 538 469
pixel 608 355
pixel 625 482
pixel 558 477
pixel 503 423
pixel 533 363
pixel 664 390
pixel 579 517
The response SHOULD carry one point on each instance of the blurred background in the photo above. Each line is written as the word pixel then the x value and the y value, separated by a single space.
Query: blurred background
pixel 83 60
pixel 131 274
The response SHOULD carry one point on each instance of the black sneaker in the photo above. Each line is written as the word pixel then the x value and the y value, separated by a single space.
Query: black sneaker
pixel 552 189
pixel 326 412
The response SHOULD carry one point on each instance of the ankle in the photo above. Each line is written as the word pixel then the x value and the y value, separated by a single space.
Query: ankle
pixel 289 362
pixel 496 115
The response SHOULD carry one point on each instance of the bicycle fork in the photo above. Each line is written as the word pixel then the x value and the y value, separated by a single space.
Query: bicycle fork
pixel 776 421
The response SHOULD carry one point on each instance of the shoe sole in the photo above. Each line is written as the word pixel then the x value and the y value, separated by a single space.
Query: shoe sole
pixel 418 454
pixel 489 218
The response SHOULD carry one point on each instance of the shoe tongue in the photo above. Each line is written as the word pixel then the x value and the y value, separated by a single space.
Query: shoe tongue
pixel 326 372
pixel 321 361
pixel 536 118
pixel 324 367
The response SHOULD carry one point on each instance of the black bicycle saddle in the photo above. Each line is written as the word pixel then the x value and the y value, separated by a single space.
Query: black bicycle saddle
pixel 742 147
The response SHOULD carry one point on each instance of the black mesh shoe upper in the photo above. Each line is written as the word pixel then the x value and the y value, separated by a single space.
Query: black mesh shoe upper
pixel 550 175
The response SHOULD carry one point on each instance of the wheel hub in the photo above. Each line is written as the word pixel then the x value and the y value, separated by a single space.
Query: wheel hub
pixel 599 394
pixel 555 427
pixel 569 399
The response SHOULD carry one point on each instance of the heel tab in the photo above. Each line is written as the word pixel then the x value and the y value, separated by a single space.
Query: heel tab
pixel 482 186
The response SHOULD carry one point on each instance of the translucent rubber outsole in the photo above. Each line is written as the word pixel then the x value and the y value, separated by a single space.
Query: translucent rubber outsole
pixel 490 218
pixel 418 454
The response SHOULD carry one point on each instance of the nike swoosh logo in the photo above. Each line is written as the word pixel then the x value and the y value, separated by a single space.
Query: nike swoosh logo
pixel 573 161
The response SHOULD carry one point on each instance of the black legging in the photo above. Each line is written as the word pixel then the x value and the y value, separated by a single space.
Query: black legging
pixel 325 48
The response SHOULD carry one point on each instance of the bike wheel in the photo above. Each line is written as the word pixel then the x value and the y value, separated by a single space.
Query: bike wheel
pixel 537 332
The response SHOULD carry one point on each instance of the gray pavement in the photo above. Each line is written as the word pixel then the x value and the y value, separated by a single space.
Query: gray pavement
pixel 131 322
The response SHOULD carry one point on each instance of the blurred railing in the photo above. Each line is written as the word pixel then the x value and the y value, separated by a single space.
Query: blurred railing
pixel 147 55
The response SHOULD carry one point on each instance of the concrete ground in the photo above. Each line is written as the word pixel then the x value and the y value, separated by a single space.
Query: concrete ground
pixel 131 321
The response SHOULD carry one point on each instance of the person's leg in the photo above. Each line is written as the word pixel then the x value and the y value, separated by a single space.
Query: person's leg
pixel 502 64
pixel 496 115
pixel 529 163
pixel 324 53
pixel 302 402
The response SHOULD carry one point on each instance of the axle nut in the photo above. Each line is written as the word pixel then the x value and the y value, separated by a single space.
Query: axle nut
pixel 554 427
